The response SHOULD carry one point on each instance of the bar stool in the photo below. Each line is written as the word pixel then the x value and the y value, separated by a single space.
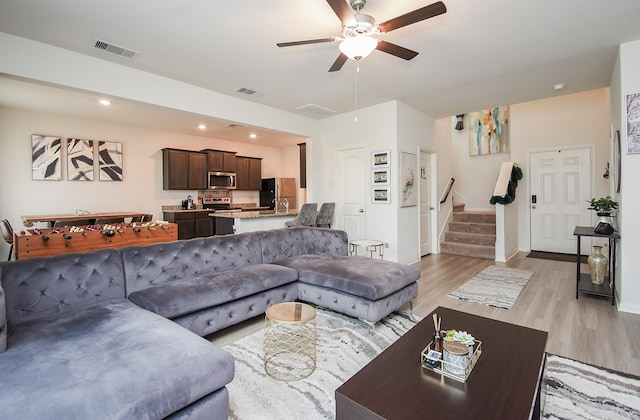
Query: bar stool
pixel 7 235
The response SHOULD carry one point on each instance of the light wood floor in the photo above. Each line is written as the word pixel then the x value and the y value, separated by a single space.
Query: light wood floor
pixel 588 329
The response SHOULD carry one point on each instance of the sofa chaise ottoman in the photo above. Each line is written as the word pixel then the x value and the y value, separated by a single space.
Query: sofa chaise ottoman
pixel 75 348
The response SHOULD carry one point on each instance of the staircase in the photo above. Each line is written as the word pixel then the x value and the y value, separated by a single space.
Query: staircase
pixel 470 233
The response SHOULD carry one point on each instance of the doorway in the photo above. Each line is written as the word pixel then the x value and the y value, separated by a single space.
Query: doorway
pixel 351 201
pixel 427 178
pixel 560 188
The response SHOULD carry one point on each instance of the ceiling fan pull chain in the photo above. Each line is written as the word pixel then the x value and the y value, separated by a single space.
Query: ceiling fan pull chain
pixel 355 92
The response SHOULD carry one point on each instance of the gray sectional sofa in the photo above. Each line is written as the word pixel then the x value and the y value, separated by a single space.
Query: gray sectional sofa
pixel 110 333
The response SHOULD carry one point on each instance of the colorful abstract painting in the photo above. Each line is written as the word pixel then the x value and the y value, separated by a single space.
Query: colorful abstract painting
pixel 79 160
pixel 45 157
pixel 489 131
pixel 110 161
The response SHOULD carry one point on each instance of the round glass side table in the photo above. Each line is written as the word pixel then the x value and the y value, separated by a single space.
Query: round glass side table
pixel 370 246
pixel 289 342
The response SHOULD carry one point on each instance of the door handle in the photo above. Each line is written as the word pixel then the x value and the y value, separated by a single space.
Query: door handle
pixel 533 207
pixel 361 210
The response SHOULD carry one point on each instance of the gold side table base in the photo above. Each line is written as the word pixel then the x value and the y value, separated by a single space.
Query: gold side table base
pixel 290 341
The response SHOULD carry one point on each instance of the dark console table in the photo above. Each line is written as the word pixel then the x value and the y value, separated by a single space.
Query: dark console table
pixel 583 280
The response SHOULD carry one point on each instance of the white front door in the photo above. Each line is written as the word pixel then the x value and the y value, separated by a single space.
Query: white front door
pixel 425 203
pixel 560 188
pixel 352 184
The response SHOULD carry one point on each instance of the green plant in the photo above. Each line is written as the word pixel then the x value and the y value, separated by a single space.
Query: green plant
pixel 603 204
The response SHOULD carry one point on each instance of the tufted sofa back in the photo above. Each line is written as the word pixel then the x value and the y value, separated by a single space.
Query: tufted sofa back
pixel 279 244
pixel 160 263
pixel 39 287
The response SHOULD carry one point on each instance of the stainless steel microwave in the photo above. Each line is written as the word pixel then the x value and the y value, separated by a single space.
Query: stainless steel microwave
pixel 222 180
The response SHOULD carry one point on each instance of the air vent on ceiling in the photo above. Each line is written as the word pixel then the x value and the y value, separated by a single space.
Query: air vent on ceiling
pixel 114 49
pixel 316 111
pixel 250 92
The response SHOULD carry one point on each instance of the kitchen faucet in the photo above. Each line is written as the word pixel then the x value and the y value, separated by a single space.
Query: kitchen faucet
pixel 278 201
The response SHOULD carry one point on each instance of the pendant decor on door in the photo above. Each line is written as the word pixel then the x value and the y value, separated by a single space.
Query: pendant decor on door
pixel 489 131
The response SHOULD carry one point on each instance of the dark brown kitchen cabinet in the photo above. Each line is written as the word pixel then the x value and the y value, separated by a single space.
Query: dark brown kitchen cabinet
pixel 248 173
pixel 191 224
pixel 184 170
pixel 255 174
pixel 242 173
pixel 221 161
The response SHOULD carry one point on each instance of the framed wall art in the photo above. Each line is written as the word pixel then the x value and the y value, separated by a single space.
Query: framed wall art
pixel 408 185
pixel 109 161
pixel 381 195
pixel 489 131
pixel 380 176
pixel 80 160
pixel 633 123
pixel 46 158
pixel 381 159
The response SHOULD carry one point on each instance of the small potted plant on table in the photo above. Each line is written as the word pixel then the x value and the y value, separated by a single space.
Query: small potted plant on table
pixel 604 207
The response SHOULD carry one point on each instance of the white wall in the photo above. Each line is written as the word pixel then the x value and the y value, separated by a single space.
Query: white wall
pixel 443 131
pixel 625 81
pixel 141 189
pixel 580 119
pixel 390 126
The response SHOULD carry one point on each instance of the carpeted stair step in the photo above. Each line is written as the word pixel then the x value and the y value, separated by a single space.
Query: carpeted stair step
pixel 468 250
pixel 458 207
pixel 474 217
pixel 466 227
pixel 470 238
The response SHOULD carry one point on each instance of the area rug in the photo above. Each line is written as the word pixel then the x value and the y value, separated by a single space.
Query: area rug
pixel 344 346
pixel 494 286
pixel 556 256
pixel 577 390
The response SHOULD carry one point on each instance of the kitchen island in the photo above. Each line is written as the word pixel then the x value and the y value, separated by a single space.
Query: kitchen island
pixel 251 221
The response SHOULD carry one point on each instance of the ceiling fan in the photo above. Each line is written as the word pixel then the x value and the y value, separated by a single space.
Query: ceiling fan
pixel 358 31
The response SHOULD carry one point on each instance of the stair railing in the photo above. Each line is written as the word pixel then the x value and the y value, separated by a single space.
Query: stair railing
pixel 447 190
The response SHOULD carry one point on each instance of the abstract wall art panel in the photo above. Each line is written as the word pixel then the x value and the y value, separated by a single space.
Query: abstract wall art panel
pixel 110 161
pixel 489 131
pixel 408 180
pixel 46 157
pixel 80 160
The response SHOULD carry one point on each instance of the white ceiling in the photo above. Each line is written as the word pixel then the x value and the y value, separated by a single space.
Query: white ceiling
pixel 477 55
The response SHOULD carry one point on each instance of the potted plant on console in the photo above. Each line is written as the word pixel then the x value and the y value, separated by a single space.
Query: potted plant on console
pixel 604 207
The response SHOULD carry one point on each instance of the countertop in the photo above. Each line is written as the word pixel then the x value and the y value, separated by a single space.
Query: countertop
pixel 254 214
pixel 198 208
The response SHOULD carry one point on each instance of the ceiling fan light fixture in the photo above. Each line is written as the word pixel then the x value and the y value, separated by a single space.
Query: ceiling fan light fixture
pixel 358 47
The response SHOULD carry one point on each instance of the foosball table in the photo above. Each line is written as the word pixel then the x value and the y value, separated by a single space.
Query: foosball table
pixel 36 242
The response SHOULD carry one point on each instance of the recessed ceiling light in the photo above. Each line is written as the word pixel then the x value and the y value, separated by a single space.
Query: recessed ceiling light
pixel 253 135
pixel 202 126
pixel 558 86
pixel 105 102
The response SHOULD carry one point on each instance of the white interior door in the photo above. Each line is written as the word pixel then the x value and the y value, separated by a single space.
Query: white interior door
pixel 352 184
pixel 425 203
pixel 560 188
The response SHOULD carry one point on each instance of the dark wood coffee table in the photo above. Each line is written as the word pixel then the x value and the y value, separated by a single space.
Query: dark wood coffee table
pixel 504 383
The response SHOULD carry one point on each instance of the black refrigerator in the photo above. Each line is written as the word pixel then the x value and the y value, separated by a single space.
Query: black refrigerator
pixel 279 188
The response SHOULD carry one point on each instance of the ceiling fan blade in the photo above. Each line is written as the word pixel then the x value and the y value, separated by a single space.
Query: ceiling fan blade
pixel 417 15
pixel 396 50
pixel 305 42
pixel 342 10
pixel 337 65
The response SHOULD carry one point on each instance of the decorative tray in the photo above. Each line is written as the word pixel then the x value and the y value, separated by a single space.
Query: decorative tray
pixel 457 367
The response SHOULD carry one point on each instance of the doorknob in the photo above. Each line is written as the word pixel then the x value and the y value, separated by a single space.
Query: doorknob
pixel 533 207
pixel 432 208
pixel 361 210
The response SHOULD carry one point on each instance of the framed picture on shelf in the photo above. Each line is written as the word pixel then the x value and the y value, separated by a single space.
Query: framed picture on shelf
pixel 380 176
pixel 381 195
pixel 381 159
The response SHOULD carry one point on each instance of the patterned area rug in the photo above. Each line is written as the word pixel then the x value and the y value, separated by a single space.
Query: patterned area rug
pixel 577 390
pixel 344 346
pixel 494 286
